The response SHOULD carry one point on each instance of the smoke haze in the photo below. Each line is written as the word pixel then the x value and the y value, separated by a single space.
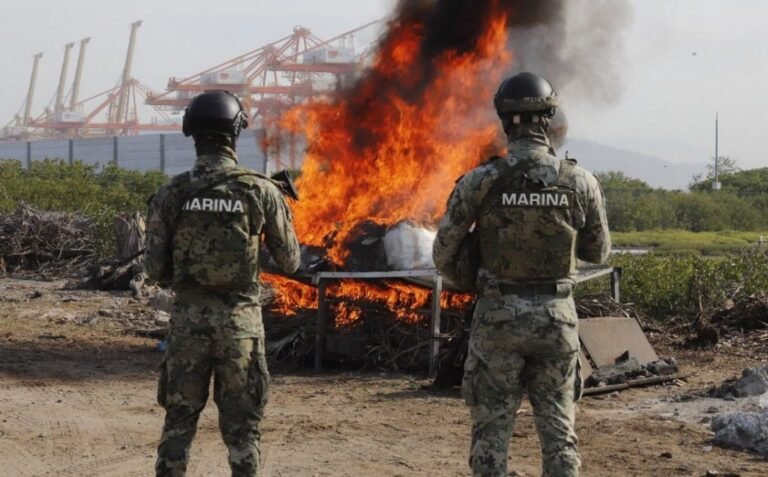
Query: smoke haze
pixel 578 45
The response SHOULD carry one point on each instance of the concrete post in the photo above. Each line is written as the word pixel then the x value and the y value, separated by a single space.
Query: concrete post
pixel 162 153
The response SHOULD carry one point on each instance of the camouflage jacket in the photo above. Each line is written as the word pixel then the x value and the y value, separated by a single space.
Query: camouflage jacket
pixel 592 238
pixel 225 313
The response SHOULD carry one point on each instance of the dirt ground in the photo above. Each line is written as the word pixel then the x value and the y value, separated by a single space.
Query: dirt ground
pixel 77 398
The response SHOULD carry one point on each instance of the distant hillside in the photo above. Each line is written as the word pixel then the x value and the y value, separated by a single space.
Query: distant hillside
pixel 655 171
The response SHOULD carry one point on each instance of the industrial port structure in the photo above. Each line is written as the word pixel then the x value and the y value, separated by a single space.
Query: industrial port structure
pixel 268 80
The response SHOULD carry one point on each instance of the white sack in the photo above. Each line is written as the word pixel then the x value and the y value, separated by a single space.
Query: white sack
pixel 409 247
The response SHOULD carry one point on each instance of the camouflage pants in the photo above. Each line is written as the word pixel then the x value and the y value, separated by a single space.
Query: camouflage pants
pixel 240 387
pixel 522 344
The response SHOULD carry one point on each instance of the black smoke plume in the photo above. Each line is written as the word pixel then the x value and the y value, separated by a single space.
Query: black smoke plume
pixel 576 44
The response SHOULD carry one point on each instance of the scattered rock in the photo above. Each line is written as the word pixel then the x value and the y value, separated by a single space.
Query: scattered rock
pixel 162 318
pixel 628 368
pixel 663 367
pixel 162 300
pixel 136 285
pixel 666 455
pixel 58 316
pixel 742 431
pixel 753 382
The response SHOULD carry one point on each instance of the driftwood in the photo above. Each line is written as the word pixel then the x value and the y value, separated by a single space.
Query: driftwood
pixel 127 271
pixel 130 235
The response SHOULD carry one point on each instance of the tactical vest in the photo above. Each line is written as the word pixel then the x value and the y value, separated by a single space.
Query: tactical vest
pixel 527 227
pixel 215 245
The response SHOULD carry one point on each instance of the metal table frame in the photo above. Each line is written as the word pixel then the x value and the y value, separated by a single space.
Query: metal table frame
pixel 322 279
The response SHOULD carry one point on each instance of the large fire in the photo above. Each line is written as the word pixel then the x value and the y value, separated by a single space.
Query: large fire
pixel 391 149
pixel 401 299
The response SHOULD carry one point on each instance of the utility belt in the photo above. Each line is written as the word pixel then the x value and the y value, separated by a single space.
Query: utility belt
pixel 560 290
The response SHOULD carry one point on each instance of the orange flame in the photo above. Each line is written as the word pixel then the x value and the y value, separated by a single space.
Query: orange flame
pixel 376 154
pixel 292 294
pixel 408 303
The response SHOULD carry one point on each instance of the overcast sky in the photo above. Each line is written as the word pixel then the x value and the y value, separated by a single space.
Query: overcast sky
pixel 685 59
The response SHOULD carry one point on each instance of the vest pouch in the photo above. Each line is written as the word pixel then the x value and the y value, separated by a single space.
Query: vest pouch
pixel 213 245
pixel 526 235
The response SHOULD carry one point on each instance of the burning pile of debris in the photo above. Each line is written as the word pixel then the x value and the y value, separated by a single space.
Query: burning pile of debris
pixel 380 324
pixel 44 243
pixel 383 156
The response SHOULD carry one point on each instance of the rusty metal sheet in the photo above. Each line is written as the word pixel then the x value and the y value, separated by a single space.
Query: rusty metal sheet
pixel 586 366
pixel 605 339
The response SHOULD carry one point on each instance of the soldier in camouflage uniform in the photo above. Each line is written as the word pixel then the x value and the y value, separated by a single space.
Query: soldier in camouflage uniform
pixel 530 215
pixel 203 234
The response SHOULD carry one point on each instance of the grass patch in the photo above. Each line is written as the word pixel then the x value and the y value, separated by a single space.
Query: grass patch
pixel 686 242
pixel 671 285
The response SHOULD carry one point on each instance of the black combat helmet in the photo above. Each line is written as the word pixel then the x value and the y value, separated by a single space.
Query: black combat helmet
pixel 526 97
pixel 215 112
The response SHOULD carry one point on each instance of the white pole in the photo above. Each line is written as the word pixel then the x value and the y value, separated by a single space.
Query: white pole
pixel 716 183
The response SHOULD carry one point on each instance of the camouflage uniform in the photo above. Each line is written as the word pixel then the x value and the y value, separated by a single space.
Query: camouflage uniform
pixel 524 330
pixel 198 244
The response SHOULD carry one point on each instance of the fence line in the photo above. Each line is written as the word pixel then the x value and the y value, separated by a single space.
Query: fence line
pixel 170 153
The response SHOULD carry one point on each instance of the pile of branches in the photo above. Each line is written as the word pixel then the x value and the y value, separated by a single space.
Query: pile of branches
pixel 599 305
pixel 52 244
pixel 748 314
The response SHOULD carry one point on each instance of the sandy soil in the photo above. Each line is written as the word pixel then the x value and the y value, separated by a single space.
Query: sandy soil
pixel 77 398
